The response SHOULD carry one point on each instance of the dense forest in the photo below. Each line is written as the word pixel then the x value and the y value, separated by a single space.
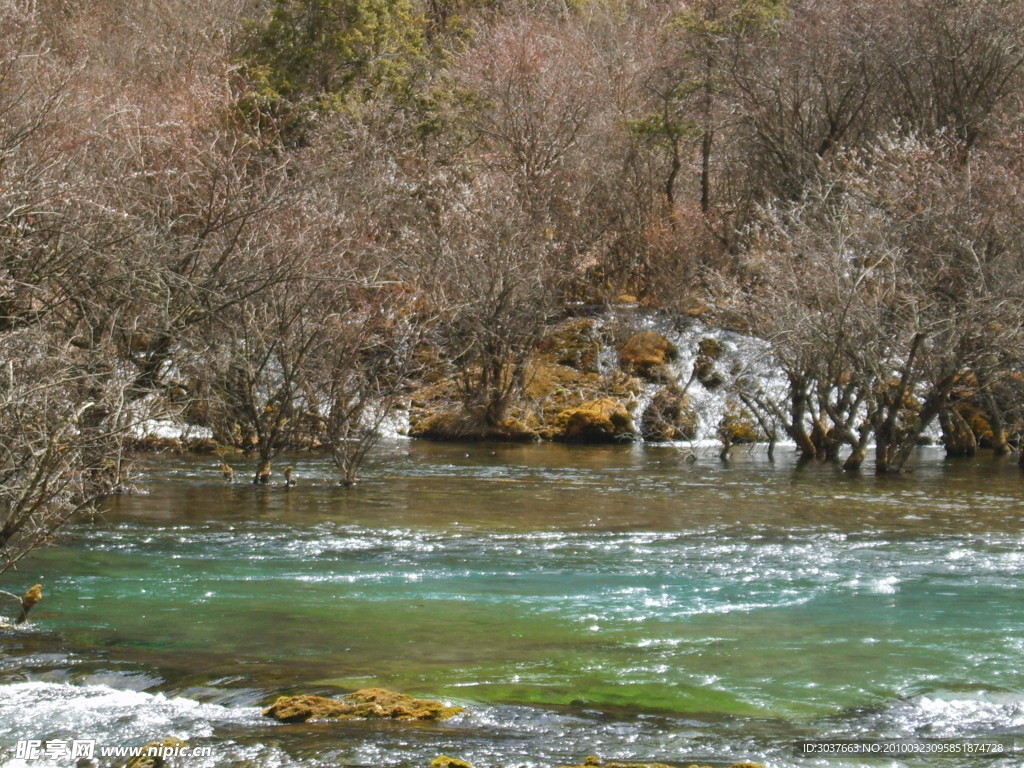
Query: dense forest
pixel 279 218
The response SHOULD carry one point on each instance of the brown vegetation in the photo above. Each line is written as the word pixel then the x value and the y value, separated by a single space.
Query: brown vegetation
pixel 283 236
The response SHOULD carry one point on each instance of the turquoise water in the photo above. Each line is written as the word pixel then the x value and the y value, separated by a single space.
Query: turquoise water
pixel 617 601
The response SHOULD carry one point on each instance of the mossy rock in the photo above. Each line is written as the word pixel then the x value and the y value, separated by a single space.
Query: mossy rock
pixel 709 348
pixel 443 761
pixel 737 426
pixel 459 425
pixel 705 372
pixel 647 354
pixel 669 417
pixel 573 344
pixel 368 703
pixel 597 421
pixel 203 445
pixel 144 760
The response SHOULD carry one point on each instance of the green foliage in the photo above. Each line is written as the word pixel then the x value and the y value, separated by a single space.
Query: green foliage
pixel 332 50
pixel 310 56
pixel 662 127
pixel 728 18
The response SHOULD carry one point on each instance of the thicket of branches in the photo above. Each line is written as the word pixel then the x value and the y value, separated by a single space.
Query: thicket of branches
pixel 267 210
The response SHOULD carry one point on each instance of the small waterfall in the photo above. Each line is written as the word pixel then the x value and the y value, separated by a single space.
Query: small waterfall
pixel 707 379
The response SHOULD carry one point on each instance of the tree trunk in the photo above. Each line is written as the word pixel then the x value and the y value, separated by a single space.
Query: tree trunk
pixel 957 435
pixel 855 459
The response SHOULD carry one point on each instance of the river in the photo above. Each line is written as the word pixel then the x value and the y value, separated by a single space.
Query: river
pixel 616 600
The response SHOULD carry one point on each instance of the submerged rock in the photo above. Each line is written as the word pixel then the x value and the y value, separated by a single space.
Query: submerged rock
pixel 647 354
pixel 443 761
pixel 368 703
pixel 574 344
pixel 669 417
pixel 598 421
pixel 737 425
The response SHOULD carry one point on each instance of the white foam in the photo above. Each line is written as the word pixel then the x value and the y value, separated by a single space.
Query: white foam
pixel 39 710
pixel 945 714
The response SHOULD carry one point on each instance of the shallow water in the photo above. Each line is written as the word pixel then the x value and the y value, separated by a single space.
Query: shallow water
pixel 576 600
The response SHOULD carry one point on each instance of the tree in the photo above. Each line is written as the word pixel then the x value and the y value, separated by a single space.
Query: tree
pixel 63 424
pixel 64 412
pixel 499 281
pixel 891 282
pixel 705 43
pixel 366 367
pixel 309 56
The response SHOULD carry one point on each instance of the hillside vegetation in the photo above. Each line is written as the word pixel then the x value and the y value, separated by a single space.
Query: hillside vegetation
pixel 280 219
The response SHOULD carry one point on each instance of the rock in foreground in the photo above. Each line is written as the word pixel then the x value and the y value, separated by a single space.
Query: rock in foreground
pixel 369 703
pixel 597 421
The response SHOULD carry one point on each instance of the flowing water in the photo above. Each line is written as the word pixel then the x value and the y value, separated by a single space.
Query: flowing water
pixel 616 601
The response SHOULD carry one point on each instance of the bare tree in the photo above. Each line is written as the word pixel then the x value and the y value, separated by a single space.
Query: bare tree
pixel 63 423
pixel 889 283
pixel 365 369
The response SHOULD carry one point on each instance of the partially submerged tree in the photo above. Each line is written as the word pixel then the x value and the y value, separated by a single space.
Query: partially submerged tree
pixel 365 369
pixel 883 290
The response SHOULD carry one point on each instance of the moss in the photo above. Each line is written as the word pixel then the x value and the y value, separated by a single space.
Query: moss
pixel 597 421
pixel 459 425
pixel 669 417
pixel 708 352
pixel 443 761
pixel 573 344
pixel 709 348
pixel 368 703
pixel 299 709
pixel 957 434
pixel 203 445
pixel 30 598
pixel 647 354
pixel 978 421
pixel 737 425
pixel 153 444
pixel 706 373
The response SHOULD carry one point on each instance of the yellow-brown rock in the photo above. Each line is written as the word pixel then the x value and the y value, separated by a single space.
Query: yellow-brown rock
pixel 443 761
pixel 669 417
pixel 647 354
pixel 597 421
pixel 371 703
